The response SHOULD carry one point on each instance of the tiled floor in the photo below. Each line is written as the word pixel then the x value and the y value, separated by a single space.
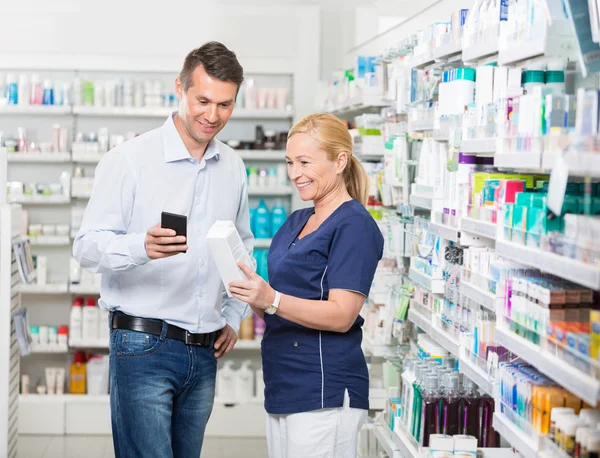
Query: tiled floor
pixel 101 447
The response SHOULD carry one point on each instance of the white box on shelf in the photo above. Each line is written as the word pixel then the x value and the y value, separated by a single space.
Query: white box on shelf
pixel 87 415
pixel 42 414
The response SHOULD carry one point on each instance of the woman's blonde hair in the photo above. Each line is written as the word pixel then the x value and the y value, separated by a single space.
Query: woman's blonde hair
pixel 334 138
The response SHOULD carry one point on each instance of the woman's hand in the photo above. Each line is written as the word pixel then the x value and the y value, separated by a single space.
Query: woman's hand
pixel 255 292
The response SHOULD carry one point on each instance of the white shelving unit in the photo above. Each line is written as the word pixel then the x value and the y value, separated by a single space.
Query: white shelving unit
pixel 40 200
pixel 421 126
pixel 569 377
pixel 447 51
pixel 89 290
pixel 421 321
pixel 48 289
pixel 578 163
pixel 283 191
pixel 88 343
pixel 479 51
pixel 570 269
pixel 481 297
pixel 482 379
pixel 87 158
pixel 39 157
pixel 262 155
pixel 405 444
pixel 10 302
pixel 377 350
pixel 50 110
pixel 163 112
pixel 481 228
pixel 51 240
pixel 357 106
pixel 479 147
pixel 385 437
pixel 436 286
pixel 50 349
pixel 444 231
pixel 518 160
pixel 516 437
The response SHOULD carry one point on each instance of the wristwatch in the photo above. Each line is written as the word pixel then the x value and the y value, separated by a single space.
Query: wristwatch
pixel 272 309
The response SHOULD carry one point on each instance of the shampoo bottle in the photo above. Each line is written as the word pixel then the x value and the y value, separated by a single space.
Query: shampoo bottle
pixel 469 410
pixel 244 382
pixel 262 221
pixel 226 382
pixel 430 412
pixel 451 407
pixel 278 217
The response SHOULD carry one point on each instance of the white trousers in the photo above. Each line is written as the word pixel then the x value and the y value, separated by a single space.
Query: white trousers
pixel 325 433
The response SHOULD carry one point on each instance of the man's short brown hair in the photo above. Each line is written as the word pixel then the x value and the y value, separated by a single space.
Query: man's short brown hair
pixel 218 61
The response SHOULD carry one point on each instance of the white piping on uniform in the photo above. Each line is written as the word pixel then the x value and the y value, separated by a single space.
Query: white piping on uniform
pixel 321 352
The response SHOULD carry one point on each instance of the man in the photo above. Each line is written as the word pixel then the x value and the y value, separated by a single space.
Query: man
pixel 170 320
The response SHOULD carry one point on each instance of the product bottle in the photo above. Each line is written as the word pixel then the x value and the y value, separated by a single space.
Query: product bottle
pixel 75 323
pixel 89 329
pixel 469 410
pixel 408 378
pixel 226 381
pixel 278 217
pixel 451 407
pixel 247 328
pixel 77 376
pixel 418 401
pixel 244 381
pixel 430 412
pixel 488 438
pixel 262 223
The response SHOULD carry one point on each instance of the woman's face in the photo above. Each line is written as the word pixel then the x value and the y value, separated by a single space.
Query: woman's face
pixel 310 170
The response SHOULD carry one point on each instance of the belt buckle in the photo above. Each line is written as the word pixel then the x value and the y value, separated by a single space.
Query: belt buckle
pixel 189 341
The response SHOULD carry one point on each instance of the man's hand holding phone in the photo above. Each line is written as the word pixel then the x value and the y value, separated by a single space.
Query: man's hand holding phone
pixel 163 243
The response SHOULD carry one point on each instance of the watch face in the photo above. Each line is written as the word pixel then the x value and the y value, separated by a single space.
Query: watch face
pixel 271 310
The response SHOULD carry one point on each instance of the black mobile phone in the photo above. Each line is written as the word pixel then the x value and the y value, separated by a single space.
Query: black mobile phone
pixel 176 222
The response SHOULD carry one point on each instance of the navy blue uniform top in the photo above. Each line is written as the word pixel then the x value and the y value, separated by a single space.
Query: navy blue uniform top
pixel 305 369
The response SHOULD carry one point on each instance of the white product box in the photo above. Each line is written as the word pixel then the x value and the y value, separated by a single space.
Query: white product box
pixel 227 248
pixel 441 446
pixel 465 446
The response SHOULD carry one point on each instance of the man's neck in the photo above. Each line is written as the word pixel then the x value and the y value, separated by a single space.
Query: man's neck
pixel 195 148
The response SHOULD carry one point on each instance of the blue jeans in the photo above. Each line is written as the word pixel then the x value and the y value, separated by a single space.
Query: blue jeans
pixel 161 395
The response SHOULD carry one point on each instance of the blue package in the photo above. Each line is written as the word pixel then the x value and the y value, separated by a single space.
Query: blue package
pixel 361 66
pixel 463 16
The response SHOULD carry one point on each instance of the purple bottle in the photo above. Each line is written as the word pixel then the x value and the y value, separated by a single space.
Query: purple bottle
pixel 451 406
pixel 469 409
pixel 430 411
pixel 488 437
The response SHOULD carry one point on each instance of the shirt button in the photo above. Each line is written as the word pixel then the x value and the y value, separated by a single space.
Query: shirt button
pixel 295 344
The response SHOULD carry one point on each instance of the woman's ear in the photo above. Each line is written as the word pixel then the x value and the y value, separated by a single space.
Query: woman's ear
pixel 342 162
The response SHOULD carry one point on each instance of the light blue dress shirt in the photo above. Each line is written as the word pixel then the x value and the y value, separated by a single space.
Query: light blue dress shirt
pixel 134 183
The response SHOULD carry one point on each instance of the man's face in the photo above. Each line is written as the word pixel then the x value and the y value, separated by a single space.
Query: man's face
pixel 206 106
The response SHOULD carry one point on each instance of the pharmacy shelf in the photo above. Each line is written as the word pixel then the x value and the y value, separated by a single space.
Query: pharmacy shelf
pixel 570 378
pixel 39 157
pixel 163 112
pixel 247 345
pixel 421 321
pixel 481 228
pixel 262 155
pixel 445 340
pixel 570 269
pixel 91 290
pixel 267 192
pixel 40 200
pixel 385 437
pixel 88 343
pixel 436 286
pixel 475 373
pixel 482 50
pixel 378 398
pixel 33 288
pixel 579 163
pixel 514 436
pixel 444 231
pixel 484 298
pixel 479 146
pixel 50 349
pixel 518 160
pixel 420 126
pixel 360 105
pixel 87 158
pixel 448 50
pixel 35 109
pixel 518 51
pixel 422 61
pixel 405 444
pixel 62 398
pixel 50 240
pixel 83 195
pixel 377 350
pixel 262 243
pixel 421 201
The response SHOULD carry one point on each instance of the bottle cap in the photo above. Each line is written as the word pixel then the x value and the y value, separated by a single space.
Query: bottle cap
pixel 533 76
pixel 431 383
pixel 91 302
pixel 555 76
pixel 558 411
pixel 63 330
pixel 453 382
pixel 78 302
pixel 79 357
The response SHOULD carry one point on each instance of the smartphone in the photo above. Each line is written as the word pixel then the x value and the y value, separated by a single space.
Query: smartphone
pixel 176 222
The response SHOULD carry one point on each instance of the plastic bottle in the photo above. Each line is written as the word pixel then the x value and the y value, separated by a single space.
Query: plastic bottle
pixel 48 94
pixel 469 410
pixel 278 217
pixel 76 319
pixel 408 378
pixel 262 224
pixel 415 405
pixel 451 407
pixel 531 79
pixel 488 437
pixel 89 329
pixel 226 381
pixel 555 413
pixel 430 413
pixel 580 437
pixel 259 327
pixel 247 328
pixel 77 374
pixel 244 381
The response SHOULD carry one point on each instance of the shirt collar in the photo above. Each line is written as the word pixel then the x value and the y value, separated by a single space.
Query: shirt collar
pixel 174 148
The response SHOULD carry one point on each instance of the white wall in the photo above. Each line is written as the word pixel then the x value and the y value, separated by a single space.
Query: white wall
pixel 136 35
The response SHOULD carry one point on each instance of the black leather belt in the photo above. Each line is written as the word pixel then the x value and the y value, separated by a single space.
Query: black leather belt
pixel 154 327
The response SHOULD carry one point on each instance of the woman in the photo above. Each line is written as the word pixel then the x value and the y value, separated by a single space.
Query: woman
pixel 321 266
